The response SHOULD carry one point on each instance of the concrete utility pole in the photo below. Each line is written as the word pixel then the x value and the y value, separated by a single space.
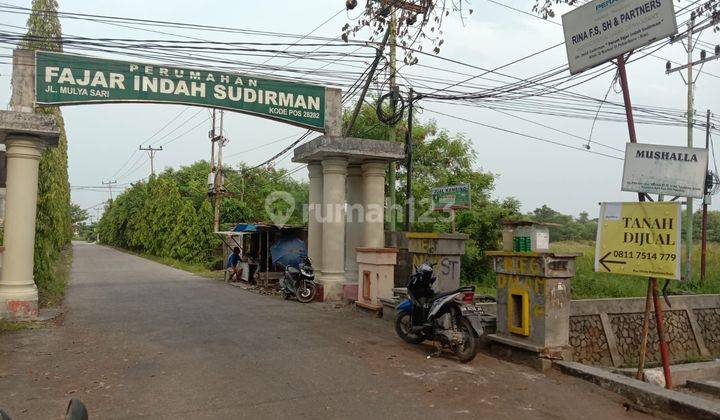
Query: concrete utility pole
pixel 690 81
pixel 392 131
pixel 218 172
pixel 151 151
pixel 109 184
pixel 690 123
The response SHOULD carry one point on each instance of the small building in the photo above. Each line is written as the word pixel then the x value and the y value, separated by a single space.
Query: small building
pixel 264 249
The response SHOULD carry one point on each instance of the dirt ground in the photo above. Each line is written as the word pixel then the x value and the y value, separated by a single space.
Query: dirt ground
pixel 142 340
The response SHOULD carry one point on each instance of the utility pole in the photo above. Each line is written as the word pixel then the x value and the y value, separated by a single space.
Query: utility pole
pixel 109 184
pixel 392 130
pixel 218 172
pixel 703 249
pixel 690 123
pixel 690 81
pixel 151 151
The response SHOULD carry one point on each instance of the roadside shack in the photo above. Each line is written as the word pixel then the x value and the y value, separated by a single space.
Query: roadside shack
pixel 265 250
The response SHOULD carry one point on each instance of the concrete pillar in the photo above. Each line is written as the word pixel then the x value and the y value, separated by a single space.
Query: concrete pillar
pixel 374 201
pixel 315 227
pixel 355 216
pixel 18 293
pixel 333 230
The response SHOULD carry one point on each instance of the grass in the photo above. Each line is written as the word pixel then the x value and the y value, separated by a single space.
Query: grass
pixel 201 269
pixel 587 284
pixel 52 294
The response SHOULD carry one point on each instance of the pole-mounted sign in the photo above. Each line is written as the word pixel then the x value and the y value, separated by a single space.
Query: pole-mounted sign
pixel 669 170
pixel 639 239
pixel 65 79
pixel 451 197
pixel 604 29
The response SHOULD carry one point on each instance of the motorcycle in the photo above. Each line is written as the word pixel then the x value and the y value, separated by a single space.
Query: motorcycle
pixel 299 282
pixel 450 318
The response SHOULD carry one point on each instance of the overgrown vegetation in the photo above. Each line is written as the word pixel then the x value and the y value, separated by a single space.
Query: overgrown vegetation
pixel 443 158
pixel 170 216
pixel 53 228
pixel 587 284
pixel 53 292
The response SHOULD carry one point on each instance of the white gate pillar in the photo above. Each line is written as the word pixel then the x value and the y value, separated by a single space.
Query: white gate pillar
pixel 355 219
pixel 315 226
pixel 25 136
pixel 333 230
pixel 374 202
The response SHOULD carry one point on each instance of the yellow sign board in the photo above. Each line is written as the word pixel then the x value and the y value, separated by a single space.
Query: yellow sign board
pixel 639 239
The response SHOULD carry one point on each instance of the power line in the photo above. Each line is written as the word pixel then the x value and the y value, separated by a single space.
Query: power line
pixel 557 143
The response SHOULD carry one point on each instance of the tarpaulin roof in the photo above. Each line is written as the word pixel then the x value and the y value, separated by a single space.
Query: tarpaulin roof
pixel 245 227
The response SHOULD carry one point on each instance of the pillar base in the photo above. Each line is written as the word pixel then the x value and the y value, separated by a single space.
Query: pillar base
pixel 332 287
pixel 18 310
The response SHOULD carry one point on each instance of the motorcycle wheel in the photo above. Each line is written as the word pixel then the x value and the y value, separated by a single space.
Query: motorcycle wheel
pixel 466 351
pixel 286 295
pixel 305 292
pixel 403 324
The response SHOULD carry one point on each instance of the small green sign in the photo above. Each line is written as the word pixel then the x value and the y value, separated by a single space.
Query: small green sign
pixel 451 197
pixel 74 79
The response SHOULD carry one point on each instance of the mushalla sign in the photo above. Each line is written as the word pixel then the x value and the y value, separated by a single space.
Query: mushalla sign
pixel 74 79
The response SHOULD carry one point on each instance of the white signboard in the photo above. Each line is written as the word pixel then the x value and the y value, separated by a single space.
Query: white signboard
pixel 604 29
pixel 669 170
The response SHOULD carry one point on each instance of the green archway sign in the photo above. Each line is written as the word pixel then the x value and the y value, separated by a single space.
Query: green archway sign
pixel 66 79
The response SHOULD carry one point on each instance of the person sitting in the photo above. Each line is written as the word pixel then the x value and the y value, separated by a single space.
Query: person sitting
pixel 232 265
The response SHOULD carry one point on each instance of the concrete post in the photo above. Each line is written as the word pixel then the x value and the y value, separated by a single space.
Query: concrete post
pixel 355 216
pixel 333 112
pixel 374 200
pixel 315 226
pixel 18 293
pixel 333 231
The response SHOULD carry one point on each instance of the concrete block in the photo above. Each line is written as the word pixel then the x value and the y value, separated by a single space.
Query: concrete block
pixel 643 393
pixel 354 149
pixel 41 126
pixel 709 386
pixel 681 374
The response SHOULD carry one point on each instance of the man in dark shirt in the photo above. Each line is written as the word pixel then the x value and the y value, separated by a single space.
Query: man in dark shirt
pixel 232 263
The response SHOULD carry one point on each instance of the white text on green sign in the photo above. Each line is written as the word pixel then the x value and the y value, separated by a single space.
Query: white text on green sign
pixel 73 79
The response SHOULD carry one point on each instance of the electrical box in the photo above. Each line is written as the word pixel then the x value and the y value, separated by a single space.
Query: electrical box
pixel 526 236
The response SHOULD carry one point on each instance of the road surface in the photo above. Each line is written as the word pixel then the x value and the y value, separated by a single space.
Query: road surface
pixel 142 340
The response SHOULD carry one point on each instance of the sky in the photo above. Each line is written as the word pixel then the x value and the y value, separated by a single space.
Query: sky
pixel 103 139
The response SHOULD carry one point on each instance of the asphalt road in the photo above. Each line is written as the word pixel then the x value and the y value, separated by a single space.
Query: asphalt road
pixel 142 340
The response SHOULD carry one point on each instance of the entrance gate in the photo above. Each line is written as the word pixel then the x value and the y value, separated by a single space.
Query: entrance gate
pixel 49 78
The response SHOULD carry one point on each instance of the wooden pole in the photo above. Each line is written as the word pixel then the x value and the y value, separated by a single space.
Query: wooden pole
pixel 660 321
pixel 646 326
pixel 652 286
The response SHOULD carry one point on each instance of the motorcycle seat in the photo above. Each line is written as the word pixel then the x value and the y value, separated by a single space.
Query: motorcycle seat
pixel 458 290
pixel 293 270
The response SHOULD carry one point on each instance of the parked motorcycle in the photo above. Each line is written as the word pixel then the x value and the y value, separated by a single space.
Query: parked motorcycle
pixel 448 317
pixel 299 282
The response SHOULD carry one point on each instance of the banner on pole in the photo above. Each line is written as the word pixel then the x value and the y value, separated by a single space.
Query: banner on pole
pixel 64 79
pixel 601 30
pixel 639 239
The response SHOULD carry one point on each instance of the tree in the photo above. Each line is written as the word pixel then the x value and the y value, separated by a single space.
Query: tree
pixel 443 158
pixel 77 214
pixel 53 227
pixel 376 18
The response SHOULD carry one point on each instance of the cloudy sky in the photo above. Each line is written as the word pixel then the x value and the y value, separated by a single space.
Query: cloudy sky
pixel 103 139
